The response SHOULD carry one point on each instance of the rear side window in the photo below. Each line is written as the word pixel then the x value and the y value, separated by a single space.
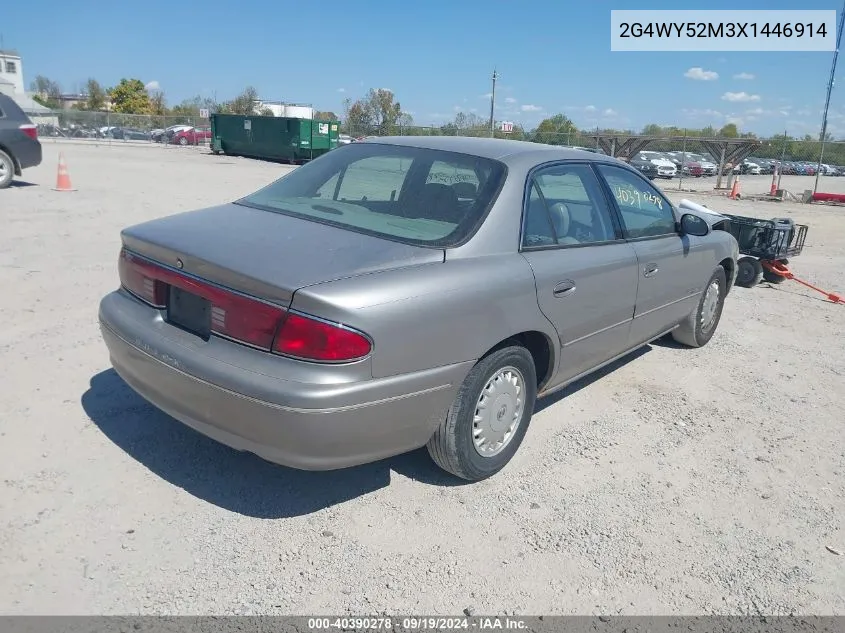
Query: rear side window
pixel 408 194
pixel 566 207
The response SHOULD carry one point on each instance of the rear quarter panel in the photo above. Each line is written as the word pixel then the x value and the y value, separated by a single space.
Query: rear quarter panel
pixel 436 314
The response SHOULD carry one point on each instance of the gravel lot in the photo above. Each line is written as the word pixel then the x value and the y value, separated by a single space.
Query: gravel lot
pixel 677 482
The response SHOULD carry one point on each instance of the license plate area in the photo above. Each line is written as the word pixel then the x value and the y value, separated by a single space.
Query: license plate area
pixel 189 312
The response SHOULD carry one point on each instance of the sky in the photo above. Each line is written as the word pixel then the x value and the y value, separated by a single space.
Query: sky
pixel 437 57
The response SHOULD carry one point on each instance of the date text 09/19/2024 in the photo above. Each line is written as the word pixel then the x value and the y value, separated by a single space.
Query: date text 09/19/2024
pixel 416 623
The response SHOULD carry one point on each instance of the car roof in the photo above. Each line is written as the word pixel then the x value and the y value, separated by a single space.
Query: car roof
pixel 505 150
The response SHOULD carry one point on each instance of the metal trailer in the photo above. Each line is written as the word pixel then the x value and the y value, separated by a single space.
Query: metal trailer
pixel 766 246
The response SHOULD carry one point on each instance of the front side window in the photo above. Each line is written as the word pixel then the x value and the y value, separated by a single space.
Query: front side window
pixel 408 194
pixel 11 67
pixel 645 212
pixel 566 206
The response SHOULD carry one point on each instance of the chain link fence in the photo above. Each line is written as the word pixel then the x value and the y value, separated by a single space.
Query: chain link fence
pixel 110 127
pixel 692 156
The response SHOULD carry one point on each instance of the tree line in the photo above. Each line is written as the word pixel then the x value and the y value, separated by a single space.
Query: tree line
pixel 131 96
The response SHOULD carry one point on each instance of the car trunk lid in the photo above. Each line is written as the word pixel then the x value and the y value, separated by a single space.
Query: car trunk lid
pixel 264 254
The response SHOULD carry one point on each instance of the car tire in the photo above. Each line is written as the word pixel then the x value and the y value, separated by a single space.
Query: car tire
pixel 492 388
pixel 773 277
pixel 698 328
pixel 7 169
pixel 749 272
pixel 183 140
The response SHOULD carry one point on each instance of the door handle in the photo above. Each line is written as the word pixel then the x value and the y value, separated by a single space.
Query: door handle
pixel 564 288
pixel 650 270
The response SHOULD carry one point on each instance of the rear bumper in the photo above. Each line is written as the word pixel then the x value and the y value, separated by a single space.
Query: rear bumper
pixel 309 425
pixel 27 153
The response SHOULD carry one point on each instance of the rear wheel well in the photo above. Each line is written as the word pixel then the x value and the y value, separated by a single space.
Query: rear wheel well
pixel 728 265
pixel 540 348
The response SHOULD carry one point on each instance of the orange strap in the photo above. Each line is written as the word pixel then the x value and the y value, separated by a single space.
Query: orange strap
pixel 780 269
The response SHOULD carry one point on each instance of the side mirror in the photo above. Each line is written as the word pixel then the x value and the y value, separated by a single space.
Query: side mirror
pixel 694 225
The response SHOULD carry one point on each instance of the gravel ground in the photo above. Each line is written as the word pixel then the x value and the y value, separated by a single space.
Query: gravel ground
pixel 676 482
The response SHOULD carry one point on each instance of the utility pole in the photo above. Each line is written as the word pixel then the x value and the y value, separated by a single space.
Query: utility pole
pixel 827 99
pixel 493 105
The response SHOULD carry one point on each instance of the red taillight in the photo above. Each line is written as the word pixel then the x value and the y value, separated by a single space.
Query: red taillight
pixel 310 339
pixel 30 130
pixel 141 278
pixel 243 318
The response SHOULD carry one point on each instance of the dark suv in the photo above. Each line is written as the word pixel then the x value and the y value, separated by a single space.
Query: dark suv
pixel 19 144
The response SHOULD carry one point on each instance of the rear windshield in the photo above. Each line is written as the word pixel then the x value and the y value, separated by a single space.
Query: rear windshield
pixel 407 194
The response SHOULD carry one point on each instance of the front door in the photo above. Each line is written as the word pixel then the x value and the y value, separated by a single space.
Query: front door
pixel 586 275
pixel 670 264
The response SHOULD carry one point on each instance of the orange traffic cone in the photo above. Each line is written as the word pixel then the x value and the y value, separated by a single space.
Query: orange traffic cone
pixel 63 178
pixel 735 189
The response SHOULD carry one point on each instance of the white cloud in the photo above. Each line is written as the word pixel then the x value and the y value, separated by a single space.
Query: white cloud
pixel 756 111
pixel 473 110
pixel 510 100
pixel 152 85
pixel 744 76
pixel 486 95
pixel 739 97
pixel 590 108
pixel 530 108
pixel 803 113
pixel 610 112
pixel 456 108
pixel 702 113
pixel 699 74
pixel 341 89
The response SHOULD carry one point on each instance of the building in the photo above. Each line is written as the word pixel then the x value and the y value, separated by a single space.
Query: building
pixel 11 70
pixel 69 101
pixel 12 84
pixel 290 110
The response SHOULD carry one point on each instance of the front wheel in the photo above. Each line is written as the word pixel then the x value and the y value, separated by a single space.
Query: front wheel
pixel 183 141
pixel 698 328
pixel 749 272
pixel 486 423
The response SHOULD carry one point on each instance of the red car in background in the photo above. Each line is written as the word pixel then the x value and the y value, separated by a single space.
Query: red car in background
pixel 191 136
pixel 693 168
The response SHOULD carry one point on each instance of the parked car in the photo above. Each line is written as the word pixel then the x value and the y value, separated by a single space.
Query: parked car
pixel 693 168
pixel 191 136
pixel 344 139
pixel 233 320
pixel 644 166
pixel 708 167
pixel 665 167
pixel 747 167
pixel 129 134
pixel 19 145
pixel 164 135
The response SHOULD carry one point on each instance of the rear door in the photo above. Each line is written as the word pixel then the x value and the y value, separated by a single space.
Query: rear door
pixel 670 265
pixel 585 273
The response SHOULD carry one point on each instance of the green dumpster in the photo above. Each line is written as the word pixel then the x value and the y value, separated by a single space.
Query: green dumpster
pixel 273 138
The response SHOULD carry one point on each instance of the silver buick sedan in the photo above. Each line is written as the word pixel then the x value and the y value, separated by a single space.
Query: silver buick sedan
pixel 407 292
